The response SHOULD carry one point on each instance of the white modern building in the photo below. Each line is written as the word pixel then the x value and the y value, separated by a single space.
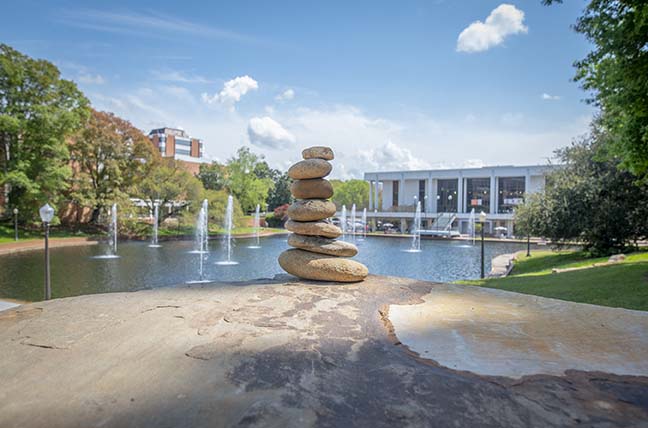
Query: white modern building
pixel 448 196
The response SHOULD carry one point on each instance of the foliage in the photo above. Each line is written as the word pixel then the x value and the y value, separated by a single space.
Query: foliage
pixel 280 193
pixel 622 285
pixel 351 192
pixel 616 71
pixel 212 176
pixel 242 181
pixel 589 200
pixel 38 112
pixel 109 157
pixel 278 217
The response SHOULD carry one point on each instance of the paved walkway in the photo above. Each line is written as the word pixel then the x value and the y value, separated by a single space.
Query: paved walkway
pixel 277 353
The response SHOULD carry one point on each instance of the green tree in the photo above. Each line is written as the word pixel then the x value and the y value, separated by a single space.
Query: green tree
pixel 280 193
pixel 242 181
pixel 212 176
pixel 38 112
pixel 589 200
pixel 351 192
pixel 616 74
pixel 109 156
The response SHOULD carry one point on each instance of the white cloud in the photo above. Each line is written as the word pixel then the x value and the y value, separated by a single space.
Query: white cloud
pixel 267 132
pixel 549 97
pixel 91 79
pixel 178 76
pixel 286 95
pixel 392 157
pixel 232 91
pixel 503 21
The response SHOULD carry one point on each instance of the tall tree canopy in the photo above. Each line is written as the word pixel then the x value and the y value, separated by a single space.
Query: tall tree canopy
pixel 109 157
pixel 351 192
pixel 243 181
pixel 38 112
pixel 616 73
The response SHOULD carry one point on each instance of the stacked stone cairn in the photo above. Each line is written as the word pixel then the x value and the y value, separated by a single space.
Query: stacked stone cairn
pixel 317 255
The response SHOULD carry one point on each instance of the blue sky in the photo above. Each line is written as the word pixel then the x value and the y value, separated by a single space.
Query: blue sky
pixel 389 85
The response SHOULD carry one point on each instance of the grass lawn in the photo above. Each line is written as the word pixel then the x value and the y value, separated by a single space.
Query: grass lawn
pixel 623 285
pixel 7 234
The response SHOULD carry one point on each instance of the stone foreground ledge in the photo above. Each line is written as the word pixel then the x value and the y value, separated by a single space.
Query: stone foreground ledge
pixel 282 352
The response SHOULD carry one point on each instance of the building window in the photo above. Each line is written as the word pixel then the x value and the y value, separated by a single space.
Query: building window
pixel 478 194
pixel 511 194
pixel 395 193
pixel 180 151
pixel 182 142
pixel 447 196
pixel 421 194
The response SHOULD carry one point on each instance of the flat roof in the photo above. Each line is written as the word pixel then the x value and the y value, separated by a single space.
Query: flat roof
pixel 470 171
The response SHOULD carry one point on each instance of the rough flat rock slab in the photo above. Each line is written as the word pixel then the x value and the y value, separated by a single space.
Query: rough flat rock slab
pixel 318 244
pixel 499 333
pixel 320 267
pixel 318 152
pixel 269 353
pixel 314 228
pixel 310 168
pixel 316 188
pixel 311 209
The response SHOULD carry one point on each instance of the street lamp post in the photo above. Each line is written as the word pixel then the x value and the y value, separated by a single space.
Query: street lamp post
pixel 15 213
pixel 482 220
pixel 528 245
pixel 46 214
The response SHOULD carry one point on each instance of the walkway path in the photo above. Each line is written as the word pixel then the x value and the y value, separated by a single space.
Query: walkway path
pixel 287 354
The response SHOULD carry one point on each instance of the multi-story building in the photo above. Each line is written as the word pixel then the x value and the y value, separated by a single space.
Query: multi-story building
pixel 177 144
pixel 449 196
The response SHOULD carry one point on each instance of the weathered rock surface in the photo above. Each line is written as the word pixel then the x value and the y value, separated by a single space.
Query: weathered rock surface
pixel 305 264
pixel 314 228
pixel 311 209
pixel 318 244
pixel 298 354
pixel 315 188
pixel 318 152
pixel 310 168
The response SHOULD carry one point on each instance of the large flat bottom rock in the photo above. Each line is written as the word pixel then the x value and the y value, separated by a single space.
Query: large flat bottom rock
pixel 278 353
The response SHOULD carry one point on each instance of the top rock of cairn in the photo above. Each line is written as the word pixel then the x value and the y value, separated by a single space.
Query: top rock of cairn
pixel 318 152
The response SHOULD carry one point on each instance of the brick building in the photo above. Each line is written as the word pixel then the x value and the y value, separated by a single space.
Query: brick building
pixel 177 144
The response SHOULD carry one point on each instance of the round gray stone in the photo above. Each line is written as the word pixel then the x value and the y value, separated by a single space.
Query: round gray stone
pixel 315 188
pixel 318 152
pixel 318 244
pixel 310 168
pixel 311 209
pixel 314 228
pixel 320 267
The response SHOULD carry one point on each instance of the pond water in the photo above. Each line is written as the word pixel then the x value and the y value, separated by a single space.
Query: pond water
pixel 75 271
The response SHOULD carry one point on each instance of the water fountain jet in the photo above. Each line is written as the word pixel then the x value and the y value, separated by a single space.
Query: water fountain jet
pixel 229 224
pixel 257 228
pixel 156 216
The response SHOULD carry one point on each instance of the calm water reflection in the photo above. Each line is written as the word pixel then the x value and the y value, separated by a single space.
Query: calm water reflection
pixel 75 272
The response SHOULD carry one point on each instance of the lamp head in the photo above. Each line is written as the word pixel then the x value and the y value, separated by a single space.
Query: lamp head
pixel 482 217
pixel 15 211
pixel 46 213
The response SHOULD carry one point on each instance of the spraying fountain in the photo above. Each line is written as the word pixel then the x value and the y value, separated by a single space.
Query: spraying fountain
pixel 201 241
pixel 471 226
pixel 415 247
pixel 112 229
pixel 353 222
pixel 364 224
pixel 257 228
pixel 343 222
pixel 229 214
pixel 156 216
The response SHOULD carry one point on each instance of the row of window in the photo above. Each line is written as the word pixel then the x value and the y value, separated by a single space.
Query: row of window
pixel 478 194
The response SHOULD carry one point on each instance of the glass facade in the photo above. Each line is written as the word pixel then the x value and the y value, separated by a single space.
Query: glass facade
pixel 510 194
pixel 447 196
pixel 421 194
pixel 478 194
pixel 395 193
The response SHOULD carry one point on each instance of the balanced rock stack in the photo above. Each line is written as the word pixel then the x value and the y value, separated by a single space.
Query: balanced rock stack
pixel 317 254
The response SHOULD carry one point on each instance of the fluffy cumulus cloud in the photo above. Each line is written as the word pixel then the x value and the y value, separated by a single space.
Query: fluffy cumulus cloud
pixel 286 95
pixel 392 157
pixel 267 132
pixel 549 97
pixel 505 20
pixel 232 91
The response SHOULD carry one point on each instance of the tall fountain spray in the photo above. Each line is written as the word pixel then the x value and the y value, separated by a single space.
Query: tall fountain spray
pixel 113 234
pixel 416 231
pixel 228 232
pixel 257 228
pixel 156 216
pixel 471 226
pixel 343 222
pixel 202 236
pixel 364 223
pixel 353 221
